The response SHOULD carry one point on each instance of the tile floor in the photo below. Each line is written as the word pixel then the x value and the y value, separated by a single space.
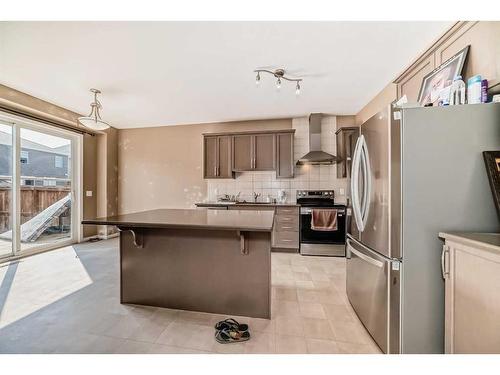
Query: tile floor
pixel 67 301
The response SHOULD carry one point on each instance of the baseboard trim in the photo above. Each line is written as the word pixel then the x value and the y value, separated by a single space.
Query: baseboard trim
pixel 108 236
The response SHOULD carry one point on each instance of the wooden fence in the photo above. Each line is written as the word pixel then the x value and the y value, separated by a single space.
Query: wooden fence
pixel 34 199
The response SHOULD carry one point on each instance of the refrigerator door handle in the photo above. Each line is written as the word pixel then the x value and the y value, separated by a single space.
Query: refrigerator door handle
pixel 366 258
pixel 355 183
pixel 367 174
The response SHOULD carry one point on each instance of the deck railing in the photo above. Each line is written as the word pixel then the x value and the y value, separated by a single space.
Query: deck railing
pixel 34 198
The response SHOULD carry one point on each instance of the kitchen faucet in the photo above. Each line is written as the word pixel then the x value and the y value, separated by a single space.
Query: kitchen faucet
pixel 255 196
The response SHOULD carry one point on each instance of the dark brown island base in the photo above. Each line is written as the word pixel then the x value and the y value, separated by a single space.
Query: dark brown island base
pixel 200 260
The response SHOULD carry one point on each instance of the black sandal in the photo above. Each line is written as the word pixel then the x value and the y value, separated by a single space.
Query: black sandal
pixel 226 336
pixel 231 324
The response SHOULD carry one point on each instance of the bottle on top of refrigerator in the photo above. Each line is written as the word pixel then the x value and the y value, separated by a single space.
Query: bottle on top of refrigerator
pixel 484 91
pixel 474 90
pixel 457 91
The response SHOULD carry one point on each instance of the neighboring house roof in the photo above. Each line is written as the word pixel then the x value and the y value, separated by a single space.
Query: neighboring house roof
pixel 6 139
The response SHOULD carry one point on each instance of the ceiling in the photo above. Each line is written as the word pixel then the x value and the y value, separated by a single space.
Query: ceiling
pixel 169 73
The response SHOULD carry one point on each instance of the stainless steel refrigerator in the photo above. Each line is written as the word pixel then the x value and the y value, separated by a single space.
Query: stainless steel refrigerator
pixel 415 172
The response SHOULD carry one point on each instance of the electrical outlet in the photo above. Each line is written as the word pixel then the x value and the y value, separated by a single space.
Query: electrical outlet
pixel 342 191
pixel 88 193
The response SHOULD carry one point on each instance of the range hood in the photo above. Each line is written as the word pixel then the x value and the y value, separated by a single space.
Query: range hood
pixel 315 154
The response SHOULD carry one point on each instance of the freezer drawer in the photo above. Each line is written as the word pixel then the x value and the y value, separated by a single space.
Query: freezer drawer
pixel 371 280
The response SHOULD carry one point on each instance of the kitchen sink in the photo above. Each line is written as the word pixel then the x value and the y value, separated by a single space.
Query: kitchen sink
pixel 253 203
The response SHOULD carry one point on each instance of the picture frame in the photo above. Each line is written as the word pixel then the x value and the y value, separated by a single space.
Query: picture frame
pixel 442 77
pixel 492 163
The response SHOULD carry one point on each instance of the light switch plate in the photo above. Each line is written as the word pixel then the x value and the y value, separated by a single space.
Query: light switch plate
pixel 342 191
pixel 88 193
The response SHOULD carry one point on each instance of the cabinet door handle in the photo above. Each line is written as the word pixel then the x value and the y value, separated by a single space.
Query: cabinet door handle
pixel 444 271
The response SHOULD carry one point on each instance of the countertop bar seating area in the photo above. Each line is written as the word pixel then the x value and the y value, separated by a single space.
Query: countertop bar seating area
pixel 209 261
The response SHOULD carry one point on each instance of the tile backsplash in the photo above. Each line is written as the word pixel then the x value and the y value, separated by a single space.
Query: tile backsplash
pixel 307 177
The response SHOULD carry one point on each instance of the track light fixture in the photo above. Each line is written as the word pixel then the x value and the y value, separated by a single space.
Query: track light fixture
pixel 279 74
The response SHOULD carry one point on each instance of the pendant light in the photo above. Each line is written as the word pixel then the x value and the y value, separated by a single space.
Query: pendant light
pixel 93 120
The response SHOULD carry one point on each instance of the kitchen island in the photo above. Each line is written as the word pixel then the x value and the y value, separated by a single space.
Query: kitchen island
pixel 201 260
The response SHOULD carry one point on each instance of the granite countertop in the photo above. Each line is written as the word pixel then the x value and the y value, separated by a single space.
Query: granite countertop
pixel 490 241
pixel 258 221
pixel 224 204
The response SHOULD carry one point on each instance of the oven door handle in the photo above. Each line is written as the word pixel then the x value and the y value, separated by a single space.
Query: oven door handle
pixel 306 210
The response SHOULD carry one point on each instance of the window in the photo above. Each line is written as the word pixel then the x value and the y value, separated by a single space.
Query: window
pixel 58 161
pixel 25 159
pixel 49 182
pixel 28 182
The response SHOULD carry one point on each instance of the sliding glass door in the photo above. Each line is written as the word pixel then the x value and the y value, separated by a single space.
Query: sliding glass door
pixel 39 182
pixel 6 212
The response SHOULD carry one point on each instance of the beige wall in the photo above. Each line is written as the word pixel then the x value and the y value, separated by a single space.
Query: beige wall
pixel 89 182
pixel 107 177
pixel 383 98
pixel 92 159
pixel 162 166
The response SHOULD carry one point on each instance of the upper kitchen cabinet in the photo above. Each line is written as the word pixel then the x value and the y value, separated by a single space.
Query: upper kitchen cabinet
pixel 254 152
pixel 264 152
pixel 284 155
pixel 243 152
pixel 217 157
pixel 481 36
pixel 409 85
pixel 346 142
pixel 225 153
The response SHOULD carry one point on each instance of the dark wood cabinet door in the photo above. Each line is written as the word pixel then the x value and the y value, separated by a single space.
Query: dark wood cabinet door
pixel 225 169
pixel 284 155
pixel 242 152
pixel 346 142
pixel 210 157
pixel 264 152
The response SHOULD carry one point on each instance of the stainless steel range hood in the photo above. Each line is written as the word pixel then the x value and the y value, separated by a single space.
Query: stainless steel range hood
pixel 315 154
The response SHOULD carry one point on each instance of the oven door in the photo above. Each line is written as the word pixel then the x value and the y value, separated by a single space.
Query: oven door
pixel 309 236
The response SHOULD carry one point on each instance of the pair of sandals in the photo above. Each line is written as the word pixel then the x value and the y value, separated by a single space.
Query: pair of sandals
pixel 229 331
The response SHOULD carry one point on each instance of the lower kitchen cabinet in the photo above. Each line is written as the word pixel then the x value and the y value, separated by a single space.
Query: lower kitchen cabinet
pixel 471 270
pixel 286 228
pixel 285 234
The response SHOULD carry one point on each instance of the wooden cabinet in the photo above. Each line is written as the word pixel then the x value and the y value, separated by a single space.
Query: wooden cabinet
pixel 346 142
pixel 284 155
pixel 253 152
pixel 410 84
pixel 217 157
pixel 264 151
pixel 484 40
pixel 242 152
pixel 286 228
pixel 471 270
pixel 225 153
pixel 285 234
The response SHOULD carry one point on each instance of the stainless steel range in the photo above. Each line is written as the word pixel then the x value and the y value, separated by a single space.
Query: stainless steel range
pixel 314 242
